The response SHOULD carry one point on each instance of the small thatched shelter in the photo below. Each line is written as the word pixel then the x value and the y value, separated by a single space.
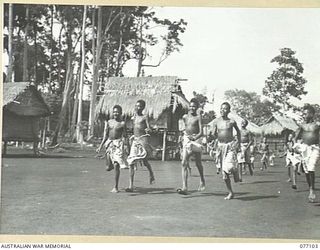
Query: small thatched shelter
pixel 165 102
pixel 22 108
pixel 276 130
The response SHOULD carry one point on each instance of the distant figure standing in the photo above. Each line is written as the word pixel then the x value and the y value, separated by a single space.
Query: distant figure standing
pixel 140 147
pixel 227 146
pixel 264 150
pixel 114 137
pixel 309 132
pixel 244 154
pixel 292 161
pixel 192 145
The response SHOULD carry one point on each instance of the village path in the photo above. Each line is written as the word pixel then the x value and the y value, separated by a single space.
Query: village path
pixel 70 196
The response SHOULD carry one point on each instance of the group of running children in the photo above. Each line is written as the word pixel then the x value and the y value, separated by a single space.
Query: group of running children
pixel 232 153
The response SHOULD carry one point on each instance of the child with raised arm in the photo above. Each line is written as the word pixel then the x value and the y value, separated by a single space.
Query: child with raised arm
pixel 309 133
pixel 192 145
pixel 223 130
pixel 244 154
pixel 140 148
pixel 114 138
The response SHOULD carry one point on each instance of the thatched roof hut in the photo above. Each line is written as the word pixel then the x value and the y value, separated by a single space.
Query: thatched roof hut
pixel 23 99
pixel 162 95
pixel 277 124
pixel 22 108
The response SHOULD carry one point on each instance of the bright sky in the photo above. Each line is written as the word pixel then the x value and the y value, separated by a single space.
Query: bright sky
pixel 228 48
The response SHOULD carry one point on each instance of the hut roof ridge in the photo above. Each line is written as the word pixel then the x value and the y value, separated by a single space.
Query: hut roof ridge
pixel 277 123
pixel 11 90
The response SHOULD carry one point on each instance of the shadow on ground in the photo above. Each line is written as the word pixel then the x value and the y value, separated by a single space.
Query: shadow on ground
pixel 40 156
pixel 257 197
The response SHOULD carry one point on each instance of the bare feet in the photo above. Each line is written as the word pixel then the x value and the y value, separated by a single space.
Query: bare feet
pixel 229 197
pixel 114 190
pixel 182 191
pixel 129 190
pixel 152 180
pixel 201 187
pixel 109 168
pixel 312 197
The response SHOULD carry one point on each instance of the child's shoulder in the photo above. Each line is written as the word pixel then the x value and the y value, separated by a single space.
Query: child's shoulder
pixel 233 121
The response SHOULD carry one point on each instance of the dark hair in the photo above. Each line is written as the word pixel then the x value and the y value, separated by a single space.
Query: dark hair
pixel 310 108
pixel 195 101
pixel 142 102
pixel 245 120
pixel 118 107
pixel 227 104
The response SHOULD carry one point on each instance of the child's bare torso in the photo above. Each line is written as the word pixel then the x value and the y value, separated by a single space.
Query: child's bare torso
pixel 310 133
pixel 192 124
pixel 290 144
pixel 225 130
pixel 264 147
pixel 139 125
pixel 245 136
pixel 116 129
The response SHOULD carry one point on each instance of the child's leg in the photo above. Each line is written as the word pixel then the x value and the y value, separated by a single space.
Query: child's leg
pixel 240 171
pixel 250 168
pixel 185 166
pixel 228 184
pixel 109 164
pixel 200 169
pixel 312 195
pixel 151 175
pixel 308 179
pixel 289 173
pixel 131 172
pixel 294 177
pixel 117 175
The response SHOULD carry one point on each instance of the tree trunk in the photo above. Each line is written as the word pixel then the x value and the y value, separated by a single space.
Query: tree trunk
pixel 59 61
pixel 96 66
pixel 119 54
pixel 35 54
pixel 25 50
pixel 75 110
pixel 51 45
pixel 140 59
pixel 67 88
pixel 83 52
pixel 10 54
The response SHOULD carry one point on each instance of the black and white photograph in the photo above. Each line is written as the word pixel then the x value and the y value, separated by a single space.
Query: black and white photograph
pixel 184 122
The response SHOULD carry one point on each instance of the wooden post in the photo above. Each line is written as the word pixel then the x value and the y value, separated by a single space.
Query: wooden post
pixel 5 148
pixel 164 145
pixel 44 134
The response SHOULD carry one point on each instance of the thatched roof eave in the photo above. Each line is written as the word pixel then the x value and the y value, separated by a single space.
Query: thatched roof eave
pixel 159 93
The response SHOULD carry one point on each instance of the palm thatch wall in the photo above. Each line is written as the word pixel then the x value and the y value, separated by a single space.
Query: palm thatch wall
pixel 165 102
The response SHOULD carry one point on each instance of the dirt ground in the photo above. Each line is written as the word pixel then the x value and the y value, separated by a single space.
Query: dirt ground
pixel 67 193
